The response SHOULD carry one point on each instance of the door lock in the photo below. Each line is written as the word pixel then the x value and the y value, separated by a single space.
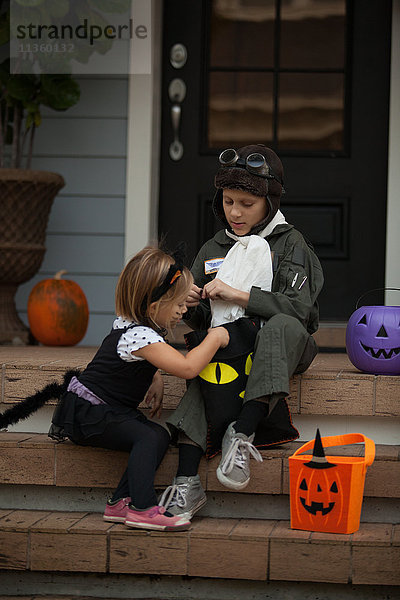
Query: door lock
pixel 178 56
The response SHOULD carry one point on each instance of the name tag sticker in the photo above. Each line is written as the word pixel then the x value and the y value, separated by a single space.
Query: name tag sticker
pixel 212 265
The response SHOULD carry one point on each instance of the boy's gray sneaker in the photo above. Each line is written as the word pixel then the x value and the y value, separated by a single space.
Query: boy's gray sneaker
pixel 184 497
pixel 234 469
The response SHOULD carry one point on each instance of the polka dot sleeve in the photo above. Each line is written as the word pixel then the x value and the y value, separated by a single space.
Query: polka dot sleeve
pixel 134 339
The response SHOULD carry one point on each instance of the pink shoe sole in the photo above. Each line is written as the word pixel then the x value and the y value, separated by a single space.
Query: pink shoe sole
pixel 154 519
pixel 136 525
pixel 114 519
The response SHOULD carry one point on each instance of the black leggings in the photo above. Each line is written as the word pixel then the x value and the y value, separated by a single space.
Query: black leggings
pixel 147 443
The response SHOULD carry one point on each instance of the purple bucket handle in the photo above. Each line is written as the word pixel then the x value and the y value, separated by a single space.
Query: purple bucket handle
pixel 375 290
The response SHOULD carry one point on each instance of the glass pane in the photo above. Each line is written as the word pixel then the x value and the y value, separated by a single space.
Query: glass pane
pixel 242 33
pixel 311 111
pixel 313 34
pixel 239 109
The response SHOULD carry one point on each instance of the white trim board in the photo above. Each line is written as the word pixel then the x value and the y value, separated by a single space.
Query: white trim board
pixel 143 142
pixel 392 278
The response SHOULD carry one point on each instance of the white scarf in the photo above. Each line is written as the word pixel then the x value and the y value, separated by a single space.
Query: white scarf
pixel 247 264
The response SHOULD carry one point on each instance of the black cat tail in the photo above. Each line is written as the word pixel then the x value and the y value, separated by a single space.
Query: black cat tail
pixel 31 404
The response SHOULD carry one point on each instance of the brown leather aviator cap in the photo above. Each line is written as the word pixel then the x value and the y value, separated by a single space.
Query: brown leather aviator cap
pixel 239 177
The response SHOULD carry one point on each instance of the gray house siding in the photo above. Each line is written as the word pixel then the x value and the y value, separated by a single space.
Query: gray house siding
pixel 85 234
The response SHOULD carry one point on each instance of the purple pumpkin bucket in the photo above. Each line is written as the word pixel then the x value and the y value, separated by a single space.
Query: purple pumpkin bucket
pixel 373 339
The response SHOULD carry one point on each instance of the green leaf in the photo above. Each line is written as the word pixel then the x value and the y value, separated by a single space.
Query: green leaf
pixel 55 63
pixel 82 52
pixel 111 6
pixel 33 116
pixel 29 3
pixel 37 117
pixel 58 8
pixel 21 18
pixel 32 107
pixel 59 91
pixel 101 44
pixel 22 87
pixel 29 121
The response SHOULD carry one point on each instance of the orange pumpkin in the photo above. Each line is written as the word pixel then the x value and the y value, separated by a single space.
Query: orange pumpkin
pixel 58 311
pixel 326 495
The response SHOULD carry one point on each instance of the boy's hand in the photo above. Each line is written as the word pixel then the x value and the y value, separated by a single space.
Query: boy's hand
pixel 194 296
pixel 218 290
pixel 222 333
pixel 154 395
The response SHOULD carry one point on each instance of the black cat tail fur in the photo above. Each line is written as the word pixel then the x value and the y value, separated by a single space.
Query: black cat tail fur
pixel 31 404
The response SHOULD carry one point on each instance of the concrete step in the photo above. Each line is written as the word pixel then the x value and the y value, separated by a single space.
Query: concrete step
pixel 255 550
pixel 36 460
pixel 331 394
pixel 331 386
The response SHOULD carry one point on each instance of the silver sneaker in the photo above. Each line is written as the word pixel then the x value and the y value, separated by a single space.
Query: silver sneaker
pixel 184 497
pixel 234 469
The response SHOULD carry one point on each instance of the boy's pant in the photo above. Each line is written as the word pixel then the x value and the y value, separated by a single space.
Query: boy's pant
pixel 283 347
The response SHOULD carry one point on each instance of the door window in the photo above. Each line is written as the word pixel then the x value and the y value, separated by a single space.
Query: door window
pixel 276 73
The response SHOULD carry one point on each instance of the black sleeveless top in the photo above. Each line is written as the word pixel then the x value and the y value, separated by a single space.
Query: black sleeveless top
pixel 114 380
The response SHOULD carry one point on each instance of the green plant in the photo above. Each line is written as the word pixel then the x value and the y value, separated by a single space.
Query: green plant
pixel 21 98
pixel 23 94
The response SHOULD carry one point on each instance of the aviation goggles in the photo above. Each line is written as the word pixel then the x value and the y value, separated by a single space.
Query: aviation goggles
pixel 255 164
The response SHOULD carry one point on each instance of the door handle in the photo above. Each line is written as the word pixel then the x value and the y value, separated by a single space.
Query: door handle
pixel 177 93
pixel 176 147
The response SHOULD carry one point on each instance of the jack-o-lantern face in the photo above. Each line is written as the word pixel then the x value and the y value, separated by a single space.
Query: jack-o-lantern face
pixel 373 339
pixel 319 492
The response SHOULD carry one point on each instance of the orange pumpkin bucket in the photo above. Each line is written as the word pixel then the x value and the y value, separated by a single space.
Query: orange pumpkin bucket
pixel 326 495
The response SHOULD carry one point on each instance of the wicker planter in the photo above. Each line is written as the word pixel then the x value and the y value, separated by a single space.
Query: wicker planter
pixel 26 198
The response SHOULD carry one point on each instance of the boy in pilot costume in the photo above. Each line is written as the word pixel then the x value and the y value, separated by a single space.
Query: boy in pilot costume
pixel 261 279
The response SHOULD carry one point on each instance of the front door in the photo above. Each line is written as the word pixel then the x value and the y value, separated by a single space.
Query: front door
pixel 311 80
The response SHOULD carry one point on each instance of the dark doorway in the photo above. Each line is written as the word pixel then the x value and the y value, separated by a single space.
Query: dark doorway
pixel 311 80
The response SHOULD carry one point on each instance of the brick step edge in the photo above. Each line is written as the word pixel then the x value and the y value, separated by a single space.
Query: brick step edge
pixel 331 386
pixel 224 548
pixel 35 459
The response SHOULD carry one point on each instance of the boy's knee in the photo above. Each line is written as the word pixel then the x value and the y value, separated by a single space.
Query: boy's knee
pixel 282 321
pixel 284 326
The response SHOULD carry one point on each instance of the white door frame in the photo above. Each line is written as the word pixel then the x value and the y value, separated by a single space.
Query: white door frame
pixel 143 146
pixel 392 275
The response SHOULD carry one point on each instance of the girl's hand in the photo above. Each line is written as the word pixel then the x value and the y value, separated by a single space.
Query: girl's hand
pixel 154 395
pixel 222 333
pixel 194 296
pixel 218 290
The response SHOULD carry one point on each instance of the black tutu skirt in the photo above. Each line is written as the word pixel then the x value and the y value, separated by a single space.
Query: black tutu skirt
pixel 78 420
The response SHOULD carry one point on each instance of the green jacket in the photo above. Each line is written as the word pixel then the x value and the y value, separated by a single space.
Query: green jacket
pixel 297 279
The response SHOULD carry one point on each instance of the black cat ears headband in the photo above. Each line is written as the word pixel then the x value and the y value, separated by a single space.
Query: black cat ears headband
pixel 174 272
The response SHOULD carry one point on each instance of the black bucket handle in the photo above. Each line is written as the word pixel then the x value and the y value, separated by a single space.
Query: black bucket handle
pixel 376 290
